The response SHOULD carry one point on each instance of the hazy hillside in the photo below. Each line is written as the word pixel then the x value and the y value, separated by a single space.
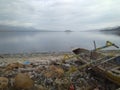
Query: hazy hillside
pixel 4 28
pixel 114 30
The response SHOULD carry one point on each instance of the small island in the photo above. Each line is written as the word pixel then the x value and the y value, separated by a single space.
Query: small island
pixel 68 31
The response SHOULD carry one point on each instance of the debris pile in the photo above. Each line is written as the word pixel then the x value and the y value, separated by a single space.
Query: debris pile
pixel 78 72
pixel 54 76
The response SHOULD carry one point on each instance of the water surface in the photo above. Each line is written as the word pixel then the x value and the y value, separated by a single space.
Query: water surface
pixel 24 42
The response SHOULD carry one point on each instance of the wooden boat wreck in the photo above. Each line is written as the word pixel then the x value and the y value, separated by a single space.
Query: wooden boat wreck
pixel 104 65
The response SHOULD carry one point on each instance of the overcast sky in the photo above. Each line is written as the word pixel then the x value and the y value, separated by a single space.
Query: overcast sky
pixel 75 15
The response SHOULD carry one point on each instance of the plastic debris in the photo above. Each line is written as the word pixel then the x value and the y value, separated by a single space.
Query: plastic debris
pixel 55 75
pixel 27 63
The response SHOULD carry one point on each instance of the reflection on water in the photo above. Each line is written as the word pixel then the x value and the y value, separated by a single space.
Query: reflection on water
pixel 19 42
pixel 112 32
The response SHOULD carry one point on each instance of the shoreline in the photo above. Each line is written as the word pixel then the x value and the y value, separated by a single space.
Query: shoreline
pixel 31 57
pixel 38 56
pixel 48 53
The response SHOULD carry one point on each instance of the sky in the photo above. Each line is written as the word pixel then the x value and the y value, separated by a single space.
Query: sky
pixel 73 15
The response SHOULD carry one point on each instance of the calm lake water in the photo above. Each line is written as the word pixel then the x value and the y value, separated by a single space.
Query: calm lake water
pixel 24 42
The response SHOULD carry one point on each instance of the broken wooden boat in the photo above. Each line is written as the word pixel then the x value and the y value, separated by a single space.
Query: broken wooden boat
pixel 105 65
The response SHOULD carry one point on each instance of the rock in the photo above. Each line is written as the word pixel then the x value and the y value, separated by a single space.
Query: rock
pixel 23 81
pixel 3 82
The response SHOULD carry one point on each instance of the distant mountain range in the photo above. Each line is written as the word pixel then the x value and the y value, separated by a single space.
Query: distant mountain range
pixel 114 30
pixel 4 28
pixel 14 28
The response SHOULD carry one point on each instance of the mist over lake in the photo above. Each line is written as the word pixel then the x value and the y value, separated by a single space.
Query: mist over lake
pixel 28 42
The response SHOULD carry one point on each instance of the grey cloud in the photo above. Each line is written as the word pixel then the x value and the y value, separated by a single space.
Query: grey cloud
pixel 60 14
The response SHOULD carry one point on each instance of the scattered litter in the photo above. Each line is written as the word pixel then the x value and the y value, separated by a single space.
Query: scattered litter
pixel 81 72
